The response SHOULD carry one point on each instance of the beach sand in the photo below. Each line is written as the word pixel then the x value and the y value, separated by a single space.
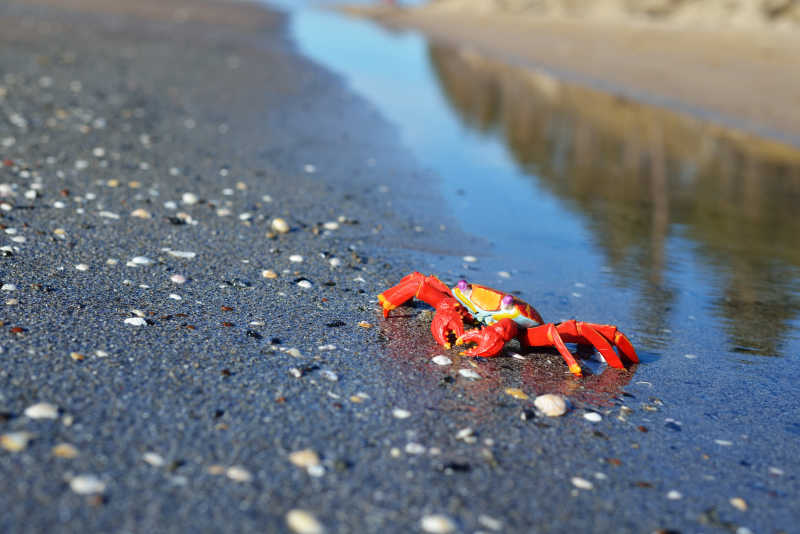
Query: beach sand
pixel 742 78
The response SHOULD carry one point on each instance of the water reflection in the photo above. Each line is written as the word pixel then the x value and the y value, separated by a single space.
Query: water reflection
pixel 644 177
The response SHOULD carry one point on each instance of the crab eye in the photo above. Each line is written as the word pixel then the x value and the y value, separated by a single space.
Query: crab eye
pixel 463 285
pixel 507 302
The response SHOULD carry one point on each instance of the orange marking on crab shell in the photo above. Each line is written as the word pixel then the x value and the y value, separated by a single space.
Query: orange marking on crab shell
pixel 488 299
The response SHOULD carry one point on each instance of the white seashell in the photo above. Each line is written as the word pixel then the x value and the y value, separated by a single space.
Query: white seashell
pixel 239 474
pixel 87 485
pixel 42 410
pixel 437 524
pixel 141 260
pixel 469 374
pixel 582 483
pixel 400 413
pixel 135 321
pixel 551 405
pixel 593 417
pixel 441 360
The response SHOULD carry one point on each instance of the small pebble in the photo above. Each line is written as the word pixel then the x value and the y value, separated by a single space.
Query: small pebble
pixel 465 433
pixel 216 469
pixel 154 459
pixel 335 262
pixel 82 267
pixel 739 503
pixel 296 258
pixel 551 405
pixel 516 393
pixel 441 360
pixel 400 413
pixel 87 485
pixel 490 522
pixel 8 287
pixel 189 198
pixel 304 458
pixel 15 441
pixel 674 495
pixel 294 353
pixel 140 213
pixel 723 442
pixel 469 374
pixel 269 273
pixel 64 450
pixel 303 522
pixel 42 410
pixel 178 279
pixel 279 225
pixel 135 321
pixel 582 483
pixel 470 259
pixel 437 524
pixel 305 284
pixel 239 474
pixel 331 225
pixel 594 417
pixel 140 260
pixel 182 254
pixel 329 375
pixel 77 356
pixel 415 448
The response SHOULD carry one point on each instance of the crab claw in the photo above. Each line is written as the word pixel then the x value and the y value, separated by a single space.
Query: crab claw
pixel 448 319
pixel 489 339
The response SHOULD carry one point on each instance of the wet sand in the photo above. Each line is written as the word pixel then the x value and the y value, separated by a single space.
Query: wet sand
pixel 746 79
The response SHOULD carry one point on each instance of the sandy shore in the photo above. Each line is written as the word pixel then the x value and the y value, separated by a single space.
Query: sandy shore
pixel 746 79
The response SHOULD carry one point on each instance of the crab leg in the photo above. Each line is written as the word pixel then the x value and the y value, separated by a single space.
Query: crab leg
pixel 618 339
pixel 428 289
pixel 601 337
pixel 547 335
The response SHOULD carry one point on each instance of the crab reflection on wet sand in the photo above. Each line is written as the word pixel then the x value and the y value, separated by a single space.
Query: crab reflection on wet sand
pixel 404 337
pixel 501 317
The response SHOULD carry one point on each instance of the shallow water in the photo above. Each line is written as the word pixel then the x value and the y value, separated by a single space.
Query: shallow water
pixel 584 195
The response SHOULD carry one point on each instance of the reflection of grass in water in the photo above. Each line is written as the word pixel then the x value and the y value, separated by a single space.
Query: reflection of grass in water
pixel 636 171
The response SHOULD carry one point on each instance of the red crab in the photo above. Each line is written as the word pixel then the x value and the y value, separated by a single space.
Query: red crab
pixel 504 317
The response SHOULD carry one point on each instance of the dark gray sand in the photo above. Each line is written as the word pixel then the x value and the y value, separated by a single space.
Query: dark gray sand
pixel 146 146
